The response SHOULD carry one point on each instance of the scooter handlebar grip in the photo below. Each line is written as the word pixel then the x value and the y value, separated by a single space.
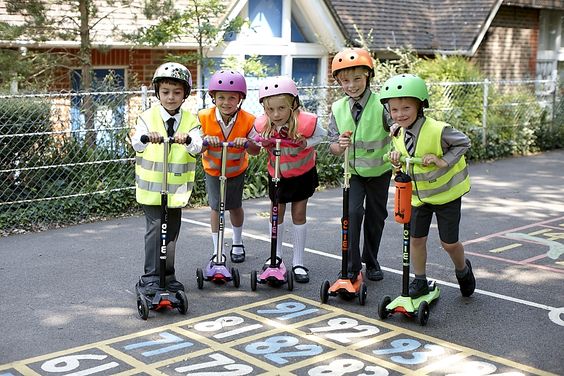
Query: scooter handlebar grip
pixel 230 144
pixel 284 142
pixel 145 139
pixel 403 158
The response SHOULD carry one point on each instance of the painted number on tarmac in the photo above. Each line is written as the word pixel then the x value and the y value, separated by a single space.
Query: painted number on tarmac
pixel 166 338
pixel 72 362
pixel 478 368
pixel 226 322
pixel 347 367
pixel 228 365
pixel 344 323
pixel 288 310
pixel 271 347
pixel 406 345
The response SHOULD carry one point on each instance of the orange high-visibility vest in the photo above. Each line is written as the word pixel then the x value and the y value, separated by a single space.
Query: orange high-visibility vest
pixel 237 158
pixel 294 161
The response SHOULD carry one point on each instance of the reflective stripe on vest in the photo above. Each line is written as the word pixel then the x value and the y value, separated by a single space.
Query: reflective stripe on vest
pixel 434 185
pixel 294 161
pixel 149 164
pixel 370 139
pixel 237 158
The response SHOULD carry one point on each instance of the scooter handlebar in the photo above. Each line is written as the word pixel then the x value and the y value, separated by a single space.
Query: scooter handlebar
pixel 283 141
pixel 403 159
pixel 145 139
pixel 230 144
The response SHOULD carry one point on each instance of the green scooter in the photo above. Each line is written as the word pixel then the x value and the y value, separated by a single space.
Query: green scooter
pixel 418 307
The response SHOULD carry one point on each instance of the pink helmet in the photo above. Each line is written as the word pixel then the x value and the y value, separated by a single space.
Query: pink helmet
pixel 276 86
pixel 228 80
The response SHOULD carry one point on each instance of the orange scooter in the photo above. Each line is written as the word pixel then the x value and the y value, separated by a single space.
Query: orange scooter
pixel 345 287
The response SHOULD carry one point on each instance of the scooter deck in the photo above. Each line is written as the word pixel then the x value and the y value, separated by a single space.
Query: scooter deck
pixel 409 306
pixel 346 287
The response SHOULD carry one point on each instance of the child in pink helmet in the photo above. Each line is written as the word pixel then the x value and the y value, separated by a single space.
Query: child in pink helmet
pixel 227 122
pixel 298 174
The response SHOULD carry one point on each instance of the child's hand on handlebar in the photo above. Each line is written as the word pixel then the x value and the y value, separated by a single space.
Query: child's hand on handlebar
pixel 181 138
pixel 345 139
pixel 212 141
pixel 395 158
pixel 429 159
pixel 154 137
pixel 240 142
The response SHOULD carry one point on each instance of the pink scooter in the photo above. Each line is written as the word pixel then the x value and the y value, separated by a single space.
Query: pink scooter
pixel 275 274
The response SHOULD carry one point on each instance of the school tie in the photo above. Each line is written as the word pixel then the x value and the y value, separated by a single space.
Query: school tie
pixel 170 128
pixel 357 111
pixel 409 145
pixel 283 132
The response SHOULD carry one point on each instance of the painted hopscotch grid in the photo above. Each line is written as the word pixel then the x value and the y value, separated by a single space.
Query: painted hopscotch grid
pixel 287 335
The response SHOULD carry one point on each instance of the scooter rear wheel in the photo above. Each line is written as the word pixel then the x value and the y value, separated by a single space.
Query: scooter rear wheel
pixel 236 277
pixel 290 280
pixel 182 302
pixel 362 294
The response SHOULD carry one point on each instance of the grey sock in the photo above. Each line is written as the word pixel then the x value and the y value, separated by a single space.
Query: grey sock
pixel 462 273
pixel 421 276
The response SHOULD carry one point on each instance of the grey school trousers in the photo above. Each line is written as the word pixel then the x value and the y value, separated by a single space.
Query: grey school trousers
pixel 152 241
pixel 372 191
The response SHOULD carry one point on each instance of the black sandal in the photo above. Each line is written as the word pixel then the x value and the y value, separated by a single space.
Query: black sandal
pixel 237 257
pixel 301 278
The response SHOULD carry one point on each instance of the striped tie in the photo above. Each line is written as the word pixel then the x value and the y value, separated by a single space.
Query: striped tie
pixel 409 145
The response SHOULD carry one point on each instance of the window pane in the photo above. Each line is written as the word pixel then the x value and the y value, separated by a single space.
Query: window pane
pixel 304 71
pixel 266 17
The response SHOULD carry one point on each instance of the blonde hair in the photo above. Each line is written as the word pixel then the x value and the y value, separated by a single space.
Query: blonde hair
pixel 294 104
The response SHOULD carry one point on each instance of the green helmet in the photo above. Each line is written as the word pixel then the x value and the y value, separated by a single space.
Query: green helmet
pixel 405 85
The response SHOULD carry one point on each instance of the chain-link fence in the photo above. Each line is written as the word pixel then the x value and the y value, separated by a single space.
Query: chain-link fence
pixel 65 157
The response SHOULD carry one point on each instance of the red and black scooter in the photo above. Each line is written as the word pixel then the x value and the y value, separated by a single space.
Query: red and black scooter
pixel 345 287
pixel 162 299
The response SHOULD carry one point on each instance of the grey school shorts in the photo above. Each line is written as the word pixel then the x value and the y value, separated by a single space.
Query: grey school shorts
pixel 233 193
pixel 448 220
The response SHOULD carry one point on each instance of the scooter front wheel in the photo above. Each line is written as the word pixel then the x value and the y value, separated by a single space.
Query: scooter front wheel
pixel 383 312
pixel 200 278
pixel 324 291
pixel 423 313
pixel 254 280
pixel 142 307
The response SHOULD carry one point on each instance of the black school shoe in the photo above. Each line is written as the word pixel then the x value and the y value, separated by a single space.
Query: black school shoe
pixel 300 277
pixel 468 282
pixel 374 273
pixel 418 287
pixel 237 257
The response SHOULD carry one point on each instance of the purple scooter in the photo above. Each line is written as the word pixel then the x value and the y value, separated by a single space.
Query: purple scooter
pixel 275 274
pixel 215 270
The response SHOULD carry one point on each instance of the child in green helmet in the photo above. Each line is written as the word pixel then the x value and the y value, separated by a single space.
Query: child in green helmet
pixel 438 183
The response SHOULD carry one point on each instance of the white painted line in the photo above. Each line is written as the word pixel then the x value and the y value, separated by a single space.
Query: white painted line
pixel 554 313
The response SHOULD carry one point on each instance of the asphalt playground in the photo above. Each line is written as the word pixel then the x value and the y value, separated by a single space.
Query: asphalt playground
pixel 68 306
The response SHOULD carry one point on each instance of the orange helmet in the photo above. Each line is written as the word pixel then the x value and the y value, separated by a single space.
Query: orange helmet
pixel 352 57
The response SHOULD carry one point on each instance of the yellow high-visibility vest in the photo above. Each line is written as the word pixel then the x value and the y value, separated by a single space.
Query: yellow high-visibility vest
pixel 149 164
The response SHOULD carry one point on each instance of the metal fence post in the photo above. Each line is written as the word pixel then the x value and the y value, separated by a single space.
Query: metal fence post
pixel 144 98
pixel 485 112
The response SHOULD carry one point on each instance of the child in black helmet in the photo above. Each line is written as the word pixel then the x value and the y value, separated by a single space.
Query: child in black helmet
pixel 172 83
pixel 438 183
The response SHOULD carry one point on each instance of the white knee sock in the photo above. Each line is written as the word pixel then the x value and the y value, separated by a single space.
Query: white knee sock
pixel 237 232
pixel 300 232
pixel 215 236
